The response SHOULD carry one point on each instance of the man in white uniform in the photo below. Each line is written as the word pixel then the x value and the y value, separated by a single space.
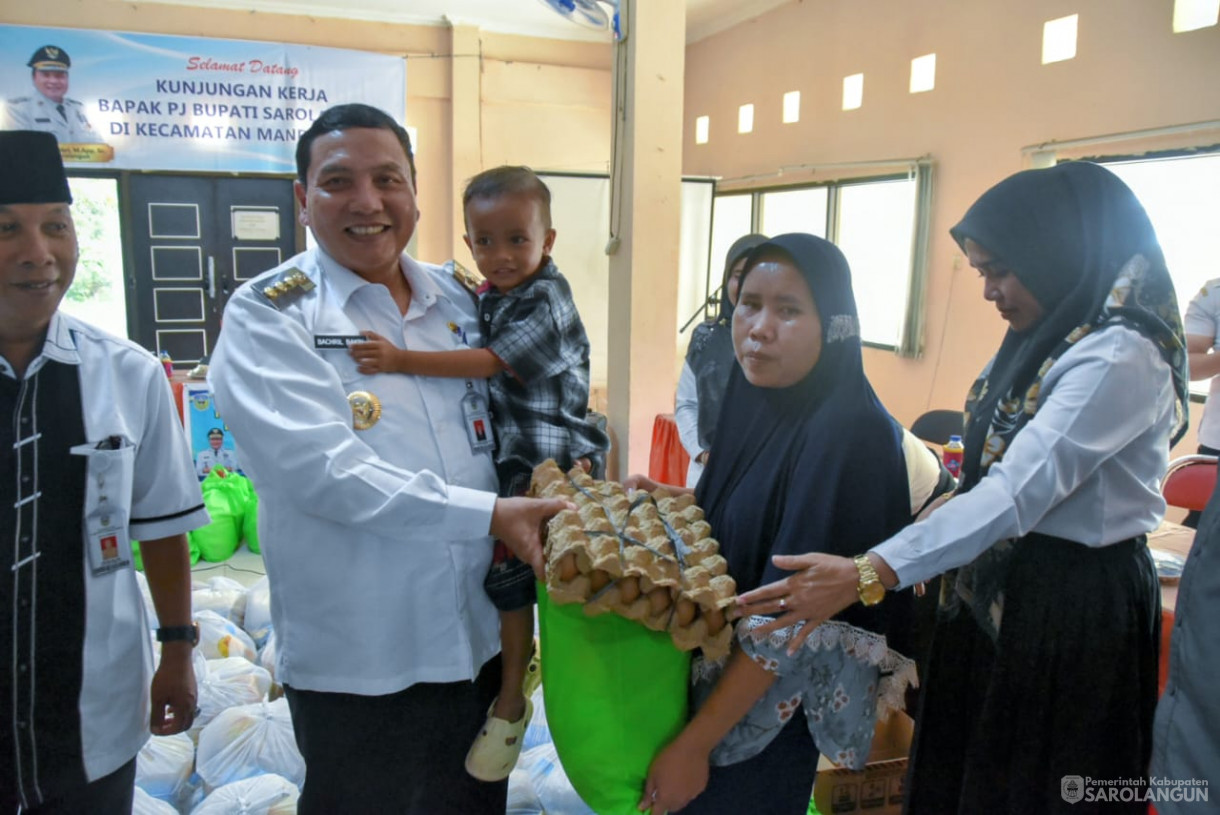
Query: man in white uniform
pixel 92 454
pixel 48 108
pixel 376 498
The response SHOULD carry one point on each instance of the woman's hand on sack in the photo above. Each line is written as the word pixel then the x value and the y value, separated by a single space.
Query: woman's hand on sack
pixel 519 521
pixel 677 775
pixel 822 586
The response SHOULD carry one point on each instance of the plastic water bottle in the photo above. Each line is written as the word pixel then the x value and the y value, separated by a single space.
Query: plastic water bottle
pixel 954 452
pixel 167 364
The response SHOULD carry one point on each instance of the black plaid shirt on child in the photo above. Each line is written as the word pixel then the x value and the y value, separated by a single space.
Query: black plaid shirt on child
pixel 540 404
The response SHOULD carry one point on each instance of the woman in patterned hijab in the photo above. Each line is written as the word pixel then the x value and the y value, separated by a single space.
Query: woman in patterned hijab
pixel 1044 662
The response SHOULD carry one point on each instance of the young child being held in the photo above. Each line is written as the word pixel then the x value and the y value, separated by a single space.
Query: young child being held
pixel 537 362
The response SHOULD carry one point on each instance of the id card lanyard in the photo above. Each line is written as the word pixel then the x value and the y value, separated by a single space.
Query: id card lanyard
pixel 477 419
pixel 106 520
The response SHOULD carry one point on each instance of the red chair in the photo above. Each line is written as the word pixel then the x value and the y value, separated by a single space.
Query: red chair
pixel 1189 482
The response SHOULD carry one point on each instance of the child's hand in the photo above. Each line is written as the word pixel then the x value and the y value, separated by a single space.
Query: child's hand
pixel 585 464
pixel 375 356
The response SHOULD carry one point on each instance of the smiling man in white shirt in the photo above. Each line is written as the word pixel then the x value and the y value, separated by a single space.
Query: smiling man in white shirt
pixel 377 499
pixel 92 454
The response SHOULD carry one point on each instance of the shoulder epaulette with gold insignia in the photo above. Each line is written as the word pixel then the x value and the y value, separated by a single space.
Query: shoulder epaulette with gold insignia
pixel 469 280
pixel 285 288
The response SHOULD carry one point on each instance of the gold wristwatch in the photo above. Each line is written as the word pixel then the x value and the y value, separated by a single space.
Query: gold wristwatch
pixel 869 588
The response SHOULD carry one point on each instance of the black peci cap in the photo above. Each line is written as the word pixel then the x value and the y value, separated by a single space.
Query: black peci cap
pixel 31 169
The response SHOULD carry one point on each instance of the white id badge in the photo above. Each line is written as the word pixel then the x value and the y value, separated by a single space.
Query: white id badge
pixel 108 487
pixel 478 420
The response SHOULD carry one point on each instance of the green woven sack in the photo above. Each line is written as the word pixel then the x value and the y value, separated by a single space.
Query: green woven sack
pixel 222 495
pixel 244 491
pixel 615 694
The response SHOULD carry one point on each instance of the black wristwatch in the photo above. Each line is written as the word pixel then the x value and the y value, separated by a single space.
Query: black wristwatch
pixel 179 633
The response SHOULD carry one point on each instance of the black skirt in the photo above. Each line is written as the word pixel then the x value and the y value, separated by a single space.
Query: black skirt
pixel 1069 689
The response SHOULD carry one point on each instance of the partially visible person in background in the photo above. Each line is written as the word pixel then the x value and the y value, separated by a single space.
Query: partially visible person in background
pixel 709 361
pixel 1186 732
pixel 1202 325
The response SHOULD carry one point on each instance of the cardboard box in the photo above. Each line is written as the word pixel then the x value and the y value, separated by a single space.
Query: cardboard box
pixel 878 788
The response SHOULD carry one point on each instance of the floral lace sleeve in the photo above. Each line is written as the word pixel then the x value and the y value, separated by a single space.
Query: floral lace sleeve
pixel 844 678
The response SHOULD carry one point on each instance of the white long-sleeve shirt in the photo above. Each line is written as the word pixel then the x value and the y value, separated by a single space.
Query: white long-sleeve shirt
pixel 1087 466
pixel 375 541
pixel 686 417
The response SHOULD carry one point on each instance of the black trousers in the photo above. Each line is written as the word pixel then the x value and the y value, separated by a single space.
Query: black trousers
pixel 777 781
pixel 1068 690
pixel 109 795
pixel 403 753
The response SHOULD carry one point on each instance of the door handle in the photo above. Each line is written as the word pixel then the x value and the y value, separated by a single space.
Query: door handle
pixel 211 277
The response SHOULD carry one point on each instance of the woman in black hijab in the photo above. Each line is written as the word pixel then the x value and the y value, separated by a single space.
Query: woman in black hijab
pixel 709 361
pixel 1044 662
pixel 805 460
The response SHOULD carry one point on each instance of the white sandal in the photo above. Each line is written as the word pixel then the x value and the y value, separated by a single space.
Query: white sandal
pixel 494 752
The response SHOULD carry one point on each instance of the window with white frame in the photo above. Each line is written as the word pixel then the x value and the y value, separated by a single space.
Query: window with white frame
pixel 1181 194
pixel 732 217
pixel 802 210
pixel 875 222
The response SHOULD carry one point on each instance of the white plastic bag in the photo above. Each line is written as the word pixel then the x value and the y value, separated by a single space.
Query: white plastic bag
pixel 550 782
pixel 266 659
pixel 250 740
pixel 538 784
pixel 229 682
pixel 220 637
pixel 538 731
pixel 223 595
pixel 258 611
pixel 145 804
pixel 164 764
pixel 260 795
pixel 522 799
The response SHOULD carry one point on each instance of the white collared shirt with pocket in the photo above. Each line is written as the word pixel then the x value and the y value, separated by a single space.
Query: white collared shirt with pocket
pixel 139 460
pixel 375 540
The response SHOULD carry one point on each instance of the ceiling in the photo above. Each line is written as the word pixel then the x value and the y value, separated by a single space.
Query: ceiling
pixel 703 17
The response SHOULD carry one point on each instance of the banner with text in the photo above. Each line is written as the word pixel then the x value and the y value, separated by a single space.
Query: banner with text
pixel 156 102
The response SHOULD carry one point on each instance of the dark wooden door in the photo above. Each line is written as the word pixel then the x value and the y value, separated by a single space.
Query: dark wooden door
pixel 194 240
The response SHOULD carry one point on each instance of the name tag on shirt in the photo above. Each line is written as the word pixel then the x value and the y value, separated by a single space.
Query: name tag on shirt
pixel 110 469
pixel 477 420
pixel 325 341
pixel 109 549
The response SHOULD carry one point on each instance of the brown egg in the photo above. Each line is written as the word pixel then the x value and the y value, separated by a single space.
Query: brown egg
pixel 658 599
pixel 567 567
pixel 715 620
pixel 629 589
pixel 598 580
pixel 685 612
